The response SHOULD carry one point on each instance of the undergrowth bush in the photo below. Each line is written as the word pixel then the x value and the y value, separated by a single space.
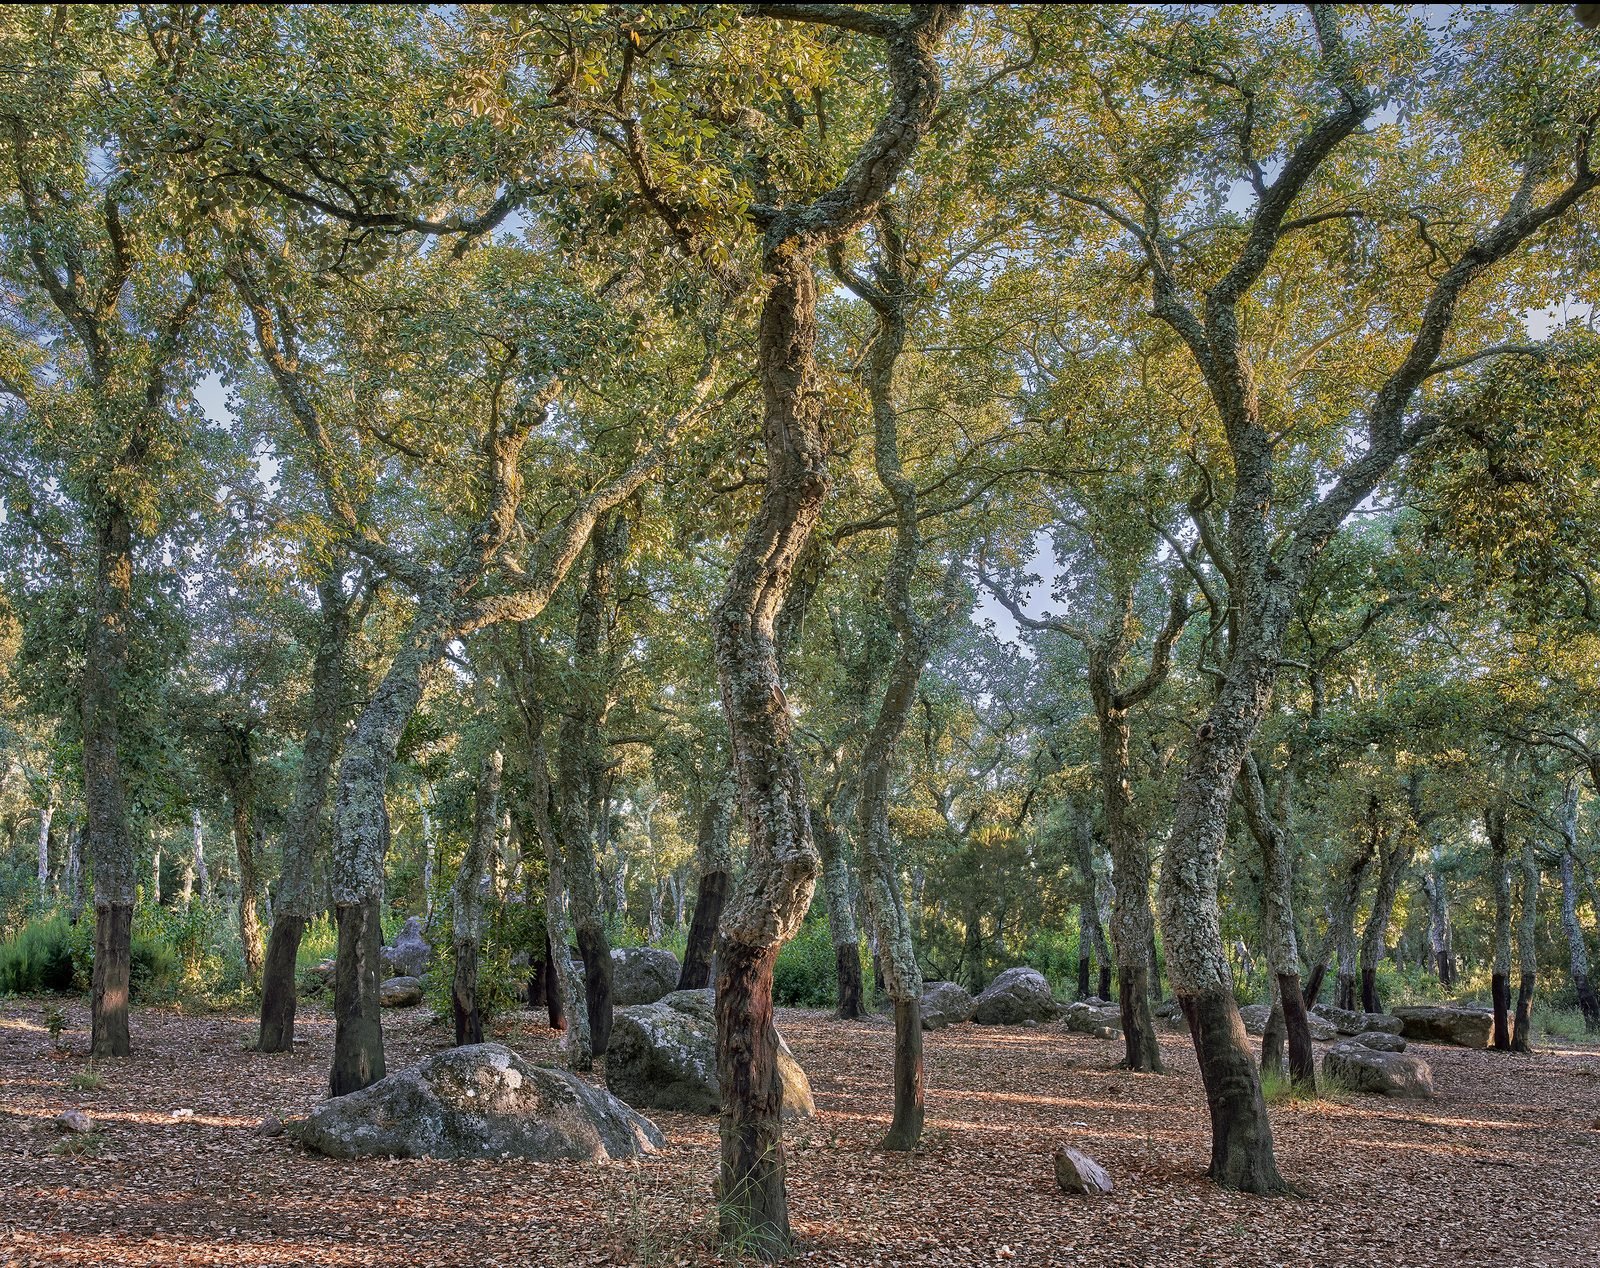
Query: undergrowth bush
pixel 50 954
pixel 805 975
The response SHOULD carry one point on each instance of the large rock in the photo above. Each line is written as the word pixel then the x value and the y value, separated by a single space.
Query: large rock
pixel 1076 1172
pixel 1382 1040
pixel 1365 1069
pixel 642 975
pixel 1099 1019
pixel 479 1101
pixel 1458 1024
pixel 945 1004
pixel 1255 1022
pixel 1016 996
pixel 400 992
pixel 664 1056
pixel 1349 1021
pixel 409 955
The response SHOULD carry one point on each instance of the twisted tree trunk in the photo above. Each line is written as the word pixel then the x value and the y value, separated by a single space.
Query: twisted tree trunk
pixel 842 929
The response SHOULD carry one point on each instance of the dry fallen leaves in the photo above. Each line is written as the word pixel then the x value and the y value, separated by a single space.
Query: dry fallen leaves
pixel 1385 1180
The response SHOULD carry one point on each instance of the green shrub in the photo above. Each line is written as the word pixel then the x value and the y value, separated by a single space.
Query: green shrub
pixel 38 958
pixel 805 975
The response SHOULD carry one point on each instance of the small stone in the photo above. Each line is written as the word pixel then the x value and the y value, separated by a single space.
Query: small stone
pixel 183 1113
pixel 271 1125
pixel 73 1121
pixel 1031 1023
pixel 1076 1172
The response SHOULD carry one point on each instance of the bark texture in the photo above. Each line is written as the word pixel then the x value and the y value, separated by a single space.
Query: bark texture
pixel 771 898
pixel 1500 876
pixel 842 929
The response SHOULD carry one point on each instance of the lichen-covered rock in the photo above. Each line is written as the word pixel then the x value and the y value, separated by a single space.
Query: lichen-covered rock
pixel 1349 1021
pixel 945 1004
pixel 1458 1024
pixel 1076 1172
pixel 1382 1040
pixel 1014 997
pixel 1364 1069
pixel 409 955
pixel 73 1121
pixel 1093 1019
pixel 664 1056
pixel 642 975
pixel 400 992
pixel 478 1101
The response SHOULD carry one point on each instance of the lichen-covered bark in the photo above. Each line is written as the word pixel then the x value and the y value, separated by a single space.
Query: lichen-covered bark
pixel 775 890
pixel 466 900
pixel 47 814
pixel 304 827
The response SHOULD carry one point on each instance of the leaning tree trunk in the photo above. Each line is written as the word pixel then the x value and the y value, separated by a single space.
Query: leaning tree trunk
pixel 1577 950
pixel 714 857
pixel 1374 937
pixel 1241 1133
pixel 1277 926
pixel 1500 874
pixel 580 765
pixel 1527 959
pixel 303 830
pixel 467 901
pixel 842 929
pixel 107 841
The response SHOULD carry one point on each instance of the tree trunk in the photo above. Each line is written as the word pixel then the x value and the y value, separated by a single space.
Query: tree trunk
pixel 1393 856
pixel 1527 958
pixel 1267 826
pixel 841 911
pixel 358 1027
pixel 250 938
pixel 108 844
pixel 200 876
pixel 1500 874
pixel 580 765
pixel 1132 924
pixel 1577 949
pixel 467 901
pixel 305 825
pixel 47 814
pixel 1275 1036
pixel 1439 923
pixel 714 857
pixel 74 879
pixel 773 894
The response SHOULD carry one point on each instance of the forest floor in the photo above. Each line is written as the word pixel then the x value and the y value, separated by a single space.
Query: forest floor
pixel 1502 1167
